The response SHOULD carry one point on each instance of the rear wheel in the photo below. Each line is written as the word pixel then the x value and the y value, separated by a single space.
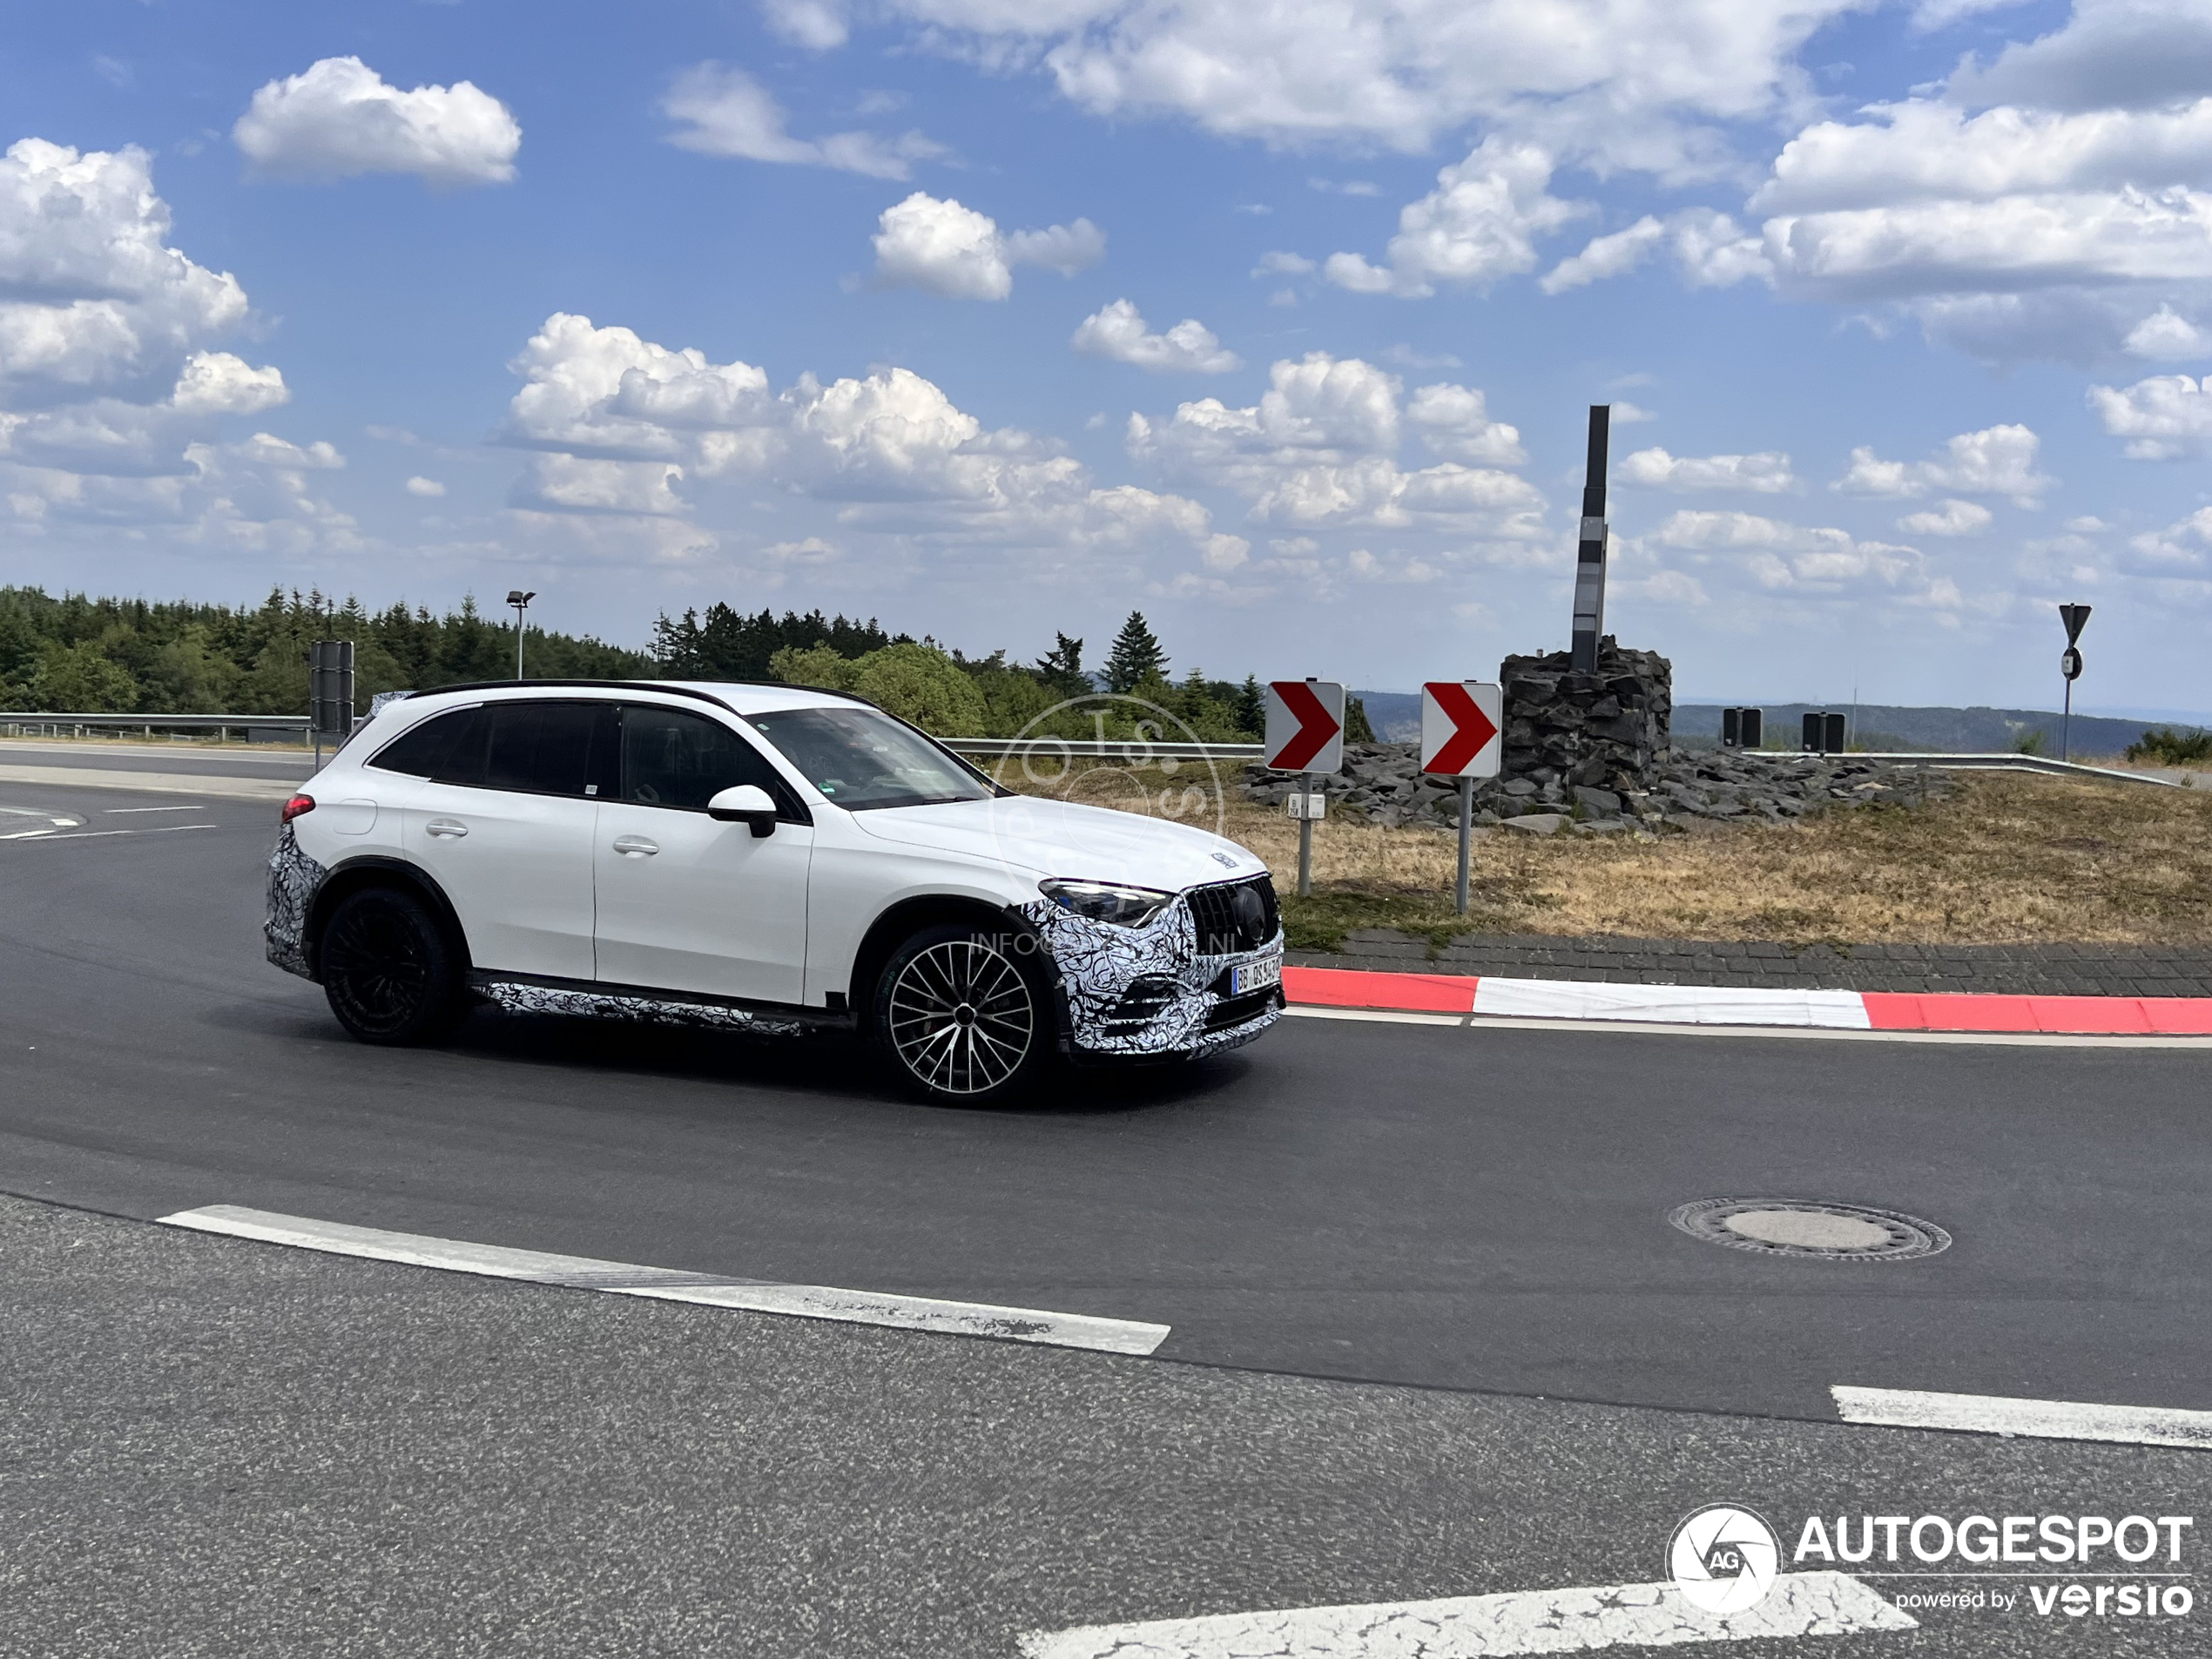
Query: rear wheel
pixel 388 969
pixel 962 1016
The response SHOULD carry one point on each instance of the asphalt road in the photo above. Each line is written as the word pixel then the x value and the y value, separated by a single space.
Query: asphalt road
pixel 189 758
pixel 1452 1210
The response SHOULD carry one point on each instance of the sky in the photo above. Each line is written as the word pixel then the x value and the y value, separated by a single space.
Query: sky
pixel 1276 321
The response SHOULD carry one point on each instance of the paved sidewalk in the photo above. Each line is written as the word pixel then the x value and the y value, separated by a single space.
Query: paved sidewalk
pixel 2012 970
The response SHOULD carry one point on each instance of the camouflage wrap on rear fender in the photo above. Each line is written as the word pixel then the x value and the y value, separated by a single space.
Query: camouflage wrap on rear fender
pixel 294 878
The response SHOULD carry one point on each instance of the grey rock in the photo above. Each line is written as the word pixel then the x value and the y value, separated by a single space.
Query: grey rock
pixel 1538 822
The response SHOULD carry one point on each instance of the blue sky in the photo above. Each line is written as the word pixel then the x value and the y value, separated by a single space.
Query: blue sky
pixel 1277 322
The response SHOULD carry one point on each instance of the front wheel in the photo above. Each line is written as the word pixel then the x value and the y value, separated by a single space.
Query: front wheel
pixel 388 969
pixel 962 1016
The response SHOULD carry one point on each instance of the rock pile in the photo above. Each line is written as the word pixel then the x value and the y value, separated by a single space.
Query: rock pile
pixel 1606 730
pixel 1383 784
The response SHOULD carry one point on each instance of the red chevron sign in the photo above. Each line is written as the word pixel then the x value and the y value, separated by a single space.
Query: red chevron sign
pixel 1460 725
pixel 1305 725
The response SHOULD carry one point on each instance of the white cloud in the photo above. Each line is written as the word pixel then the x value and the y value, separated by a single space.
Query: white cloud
pixel 947 249
pixel 1478 226
pixel 1950 518
pixel 91 292
pixel 627 427
pixel 1783 556
pixel 216 382
pixel 2110 54
pixel 725 112
pixel 1765 473
pixel 818 25
pixel 1319 448
pixel 2162 417
pixel 1997 461
pixel 111 395
pixel 1636 82
pixel 430 489
pixel 1275 262
pixel 2182 549
pixel 1454 422
pixel 337 119
pixel 1930 15
pixel 2166 336
pixel 1606 256
pixel 1118 331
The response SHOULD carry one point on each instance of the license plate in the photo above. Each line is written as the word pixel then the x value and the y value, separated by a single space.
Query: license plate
pixel 1256 976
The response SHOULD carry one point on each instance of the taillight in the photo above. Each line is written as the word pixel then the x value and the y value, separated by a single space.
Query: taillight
pixel 296 806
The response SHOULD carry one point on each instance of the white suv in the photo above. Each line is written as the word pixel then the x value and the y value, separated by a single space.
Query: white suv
pixel 761 857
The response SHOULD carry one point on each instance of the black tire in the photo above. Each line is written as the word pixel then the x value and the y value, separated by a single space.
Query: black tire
pixel 390 972
pixel 961 1015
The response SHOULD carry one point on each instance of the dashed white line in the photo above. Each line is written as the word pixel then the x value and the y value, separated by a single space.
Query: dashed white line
pixel 673 1284
pixel 117 812
pixel 2047 1420
pixel 1479 1627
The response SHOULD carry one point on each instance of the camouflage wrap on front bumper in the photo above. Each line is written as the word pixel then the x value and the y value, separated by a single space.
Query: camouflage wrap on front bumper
pixel 294 878
pixel 1099 961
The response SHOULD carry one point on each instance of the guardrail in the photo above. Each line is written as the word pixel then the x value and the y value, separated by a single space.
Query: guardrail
pixel 41 724
pixel 2015 762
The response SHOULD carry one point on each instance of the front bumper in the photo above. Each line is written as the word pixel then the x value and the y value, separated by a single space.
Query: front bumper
pixel 1148 991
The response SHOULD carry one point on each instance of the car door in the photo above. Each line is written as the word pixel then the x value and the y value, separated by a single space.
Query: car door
pixel 686 903
pixel 505 824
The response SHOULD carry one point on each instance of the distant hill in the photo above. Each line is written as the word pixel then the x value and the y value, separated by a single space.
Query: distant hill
pixel 1396 717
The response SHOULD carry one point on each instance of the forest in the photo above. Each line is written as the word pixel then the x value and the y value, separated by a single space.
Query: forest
pixel 77 654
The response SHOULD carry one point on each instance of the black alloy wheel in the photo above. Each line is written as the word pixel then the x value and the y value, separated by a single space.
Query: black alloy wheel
pixel 388 969
pixel 962 1016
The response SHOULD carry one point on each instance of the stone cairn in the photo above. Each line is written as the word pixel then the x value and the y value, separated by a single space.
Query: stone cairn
pixel 1604 730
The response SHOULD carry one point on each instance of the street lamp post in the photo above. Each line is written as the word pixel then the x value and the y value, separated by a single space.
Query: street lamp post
pixel 520 600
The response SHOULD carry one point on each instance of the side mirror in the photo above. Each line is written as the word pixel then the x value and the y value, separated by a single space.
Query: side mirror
pixel 746 803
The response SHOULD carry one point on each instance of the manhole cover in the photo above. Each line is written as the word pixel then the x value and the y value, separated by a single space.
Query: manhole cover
pixel 1835 1232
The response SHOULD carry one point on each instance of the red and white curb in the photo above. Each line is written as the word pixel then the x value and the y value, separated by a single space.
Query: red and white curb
pixel 1487 996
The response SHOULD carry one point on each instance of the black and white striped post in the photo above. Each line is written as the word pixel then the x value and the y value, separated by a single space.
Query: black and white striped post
pixel 1589 558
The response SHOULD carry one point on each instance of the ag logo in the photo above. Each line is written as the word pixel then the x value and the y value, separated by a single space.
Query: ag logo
pixel 1723 1559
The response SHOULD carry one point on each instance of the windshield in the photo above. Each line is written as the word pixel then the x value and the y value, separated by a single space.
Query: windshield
pixel 862 759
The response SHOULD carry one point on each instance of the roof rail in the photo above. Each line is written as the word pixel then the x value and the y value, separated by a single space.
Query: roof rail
pixel 621 686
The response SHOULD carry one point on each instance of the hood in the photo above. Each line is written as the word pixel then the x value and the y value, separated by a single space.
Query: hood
pixel 1058 837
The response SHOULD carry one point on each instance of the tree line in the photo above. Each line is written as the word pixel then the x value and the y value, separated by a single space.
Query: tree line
pixel 77 654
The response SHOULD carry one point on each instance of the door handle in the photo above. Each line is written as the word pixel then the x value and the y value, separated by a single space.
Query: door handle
pixel 445 826
pixel 635 845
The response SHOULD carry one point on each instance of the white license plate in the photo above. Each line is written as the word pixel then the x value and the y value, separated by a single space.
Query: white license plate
pixel 1256 976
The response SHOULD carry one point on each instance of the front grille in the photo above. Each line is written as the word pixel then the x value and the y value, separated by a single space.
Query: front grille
pixel 1137 1007
pixel 1235 1010
pixel 1234 916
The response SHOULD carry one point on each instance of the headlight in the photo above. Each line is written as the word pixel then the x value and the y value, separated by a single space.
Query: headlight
pixel 1107 902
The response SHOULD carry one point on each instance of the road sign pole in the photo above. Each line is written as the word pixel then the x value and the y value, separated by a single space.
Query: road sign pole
pixel 2066 725
pixel 1467 836
pixel 1305 836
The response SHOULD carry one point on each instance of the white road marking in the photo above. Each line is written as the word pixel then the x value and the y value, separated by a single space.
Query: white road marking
pixel 2047 1419
pixel 151 783
pixel 1761 1033
pixel 1477 1626
pixel 1690 1004
pixel 115 812
pixel 101 835
pixel 673 1284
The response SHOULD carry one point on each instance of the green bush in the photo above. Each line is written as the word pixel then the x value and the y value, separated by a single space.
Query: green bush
pixel 2171 746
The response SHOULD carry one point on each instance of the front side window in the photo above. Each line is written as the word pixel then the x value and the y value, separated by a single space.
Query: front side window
pixel 862 759
pixel 672 759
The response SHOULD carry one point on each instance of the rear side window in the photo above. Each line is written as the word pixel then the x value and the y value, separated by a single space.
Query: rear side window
pixel 430 748
pixel 672 759
pixel 545 748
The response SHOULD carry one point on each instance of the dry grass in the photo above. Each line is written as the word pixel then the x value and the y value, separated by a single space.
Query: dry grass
pixel 2009 857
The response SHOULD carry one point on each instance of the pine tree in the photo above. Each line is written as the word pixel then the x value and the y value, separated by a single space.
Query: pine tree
pixel 1062 668
pixel 1356 728
pixel 1252 708
pixel 1136 658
